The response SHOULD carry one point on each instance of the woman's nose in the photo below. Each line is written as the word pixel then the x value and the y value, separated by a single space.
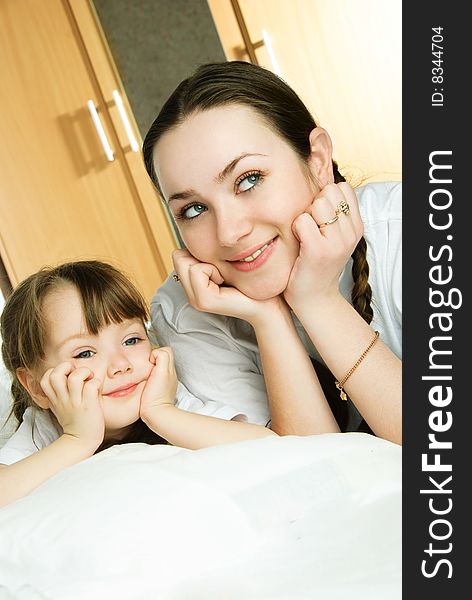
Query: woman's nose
pixel 232 226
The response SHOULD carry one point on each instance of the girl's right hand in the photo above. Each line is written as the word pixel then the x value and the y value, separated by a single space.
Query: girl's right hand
pixel 74 397
pixel 202 283
pixel 161 386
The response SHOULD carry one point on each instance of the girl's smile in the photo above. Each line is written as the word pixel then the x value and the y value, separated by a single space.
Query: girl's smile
pixel 124 390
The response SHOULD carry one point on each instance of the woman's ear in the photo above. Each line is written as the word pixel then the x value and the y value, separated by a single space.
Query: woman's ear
pixel 33 387
pixel 321 156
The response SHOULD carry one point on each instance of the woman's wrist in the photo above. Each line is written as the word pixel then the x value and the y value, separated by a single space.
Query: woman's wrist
pixel 318 307
pixel 275 308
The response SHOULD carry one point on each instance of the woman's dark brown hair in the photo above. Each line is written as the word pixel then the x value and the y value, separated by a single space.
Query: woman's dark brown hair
pixel 238 82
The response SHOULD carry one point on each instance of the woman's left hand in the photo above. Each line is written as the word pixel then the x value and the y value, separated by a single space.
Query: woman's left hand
pixel 325 247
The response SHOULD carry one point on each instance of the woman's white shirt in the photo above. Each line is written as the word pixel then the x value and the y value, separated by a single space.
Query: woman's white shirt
pixel 217 357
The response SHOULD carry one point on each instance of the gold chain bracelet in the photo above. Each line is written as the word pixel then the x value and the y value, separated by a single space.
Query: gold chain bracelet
pixel 340 384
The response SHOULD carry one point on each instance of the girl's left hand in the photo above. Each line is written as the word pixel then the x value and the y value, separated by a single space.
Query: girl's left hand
pixel 161 386
pixel 324 250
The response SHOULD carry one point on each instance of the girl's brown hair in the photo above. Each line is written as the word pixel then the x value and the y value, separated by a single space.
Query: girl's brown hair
pixel 238 82
pixel 107 296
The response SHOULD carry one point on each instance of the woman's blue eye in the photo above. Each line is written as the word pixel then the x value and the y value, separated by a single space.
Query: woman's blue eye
pixel 190 212
pixel 84 354
pixel 248 182
pixel 132 341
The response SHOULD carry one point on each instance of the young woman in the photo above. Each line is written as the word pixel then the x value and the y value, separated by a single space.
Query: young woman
pixel 264 212
pixel 85 376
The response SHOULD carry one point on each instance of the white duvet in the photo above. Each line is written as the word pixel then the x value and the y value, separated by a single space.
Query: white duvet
pixel 279 518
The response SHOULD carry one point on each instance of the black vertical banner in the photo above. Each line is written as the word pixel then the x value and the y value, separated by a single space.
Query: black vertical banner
pixel 437 359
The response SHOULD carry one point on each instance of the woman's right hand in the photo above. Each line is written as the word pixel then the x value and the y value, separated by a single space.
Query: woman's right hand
pixel 205 291
pixel 74 397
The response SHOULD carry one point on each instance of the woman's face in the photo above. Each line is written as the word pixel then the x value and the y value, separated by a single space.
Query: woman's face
pixel 234 188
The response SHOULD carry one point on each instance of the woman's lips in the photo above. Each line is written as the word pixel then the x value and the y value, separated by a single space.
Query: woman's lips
pixel 122 391
pixel 255 259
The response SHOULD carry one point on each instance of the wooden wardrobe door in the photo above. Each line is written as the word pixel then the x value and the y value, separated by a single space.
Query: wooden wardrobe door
pixel 343 59
pixel 60 197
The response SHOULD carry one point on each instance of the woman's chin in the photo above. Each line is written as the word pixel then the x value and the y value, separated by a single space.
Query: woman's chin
pixel 264 290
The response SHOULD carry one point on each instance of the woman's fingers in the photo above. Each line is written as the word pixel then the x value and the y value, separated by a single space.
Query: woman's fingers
pixel 198 279
pixel 336 212
pixel 306 231
pixel 204 280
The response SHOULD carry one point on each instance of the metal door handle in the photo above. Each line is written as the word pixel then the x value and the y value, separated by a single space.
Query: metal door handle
pixel 271 53
pixel 126 124
pixel 101 132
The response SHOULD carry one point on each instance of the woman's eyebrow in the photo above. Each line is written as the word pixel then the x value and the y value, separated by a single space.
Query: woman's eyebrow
pixel 231 165
pixel 219 178
pixel 182 195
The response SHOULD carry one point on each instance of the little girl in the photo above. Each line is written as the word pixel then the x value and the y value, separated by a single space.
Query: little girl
pixel 85 376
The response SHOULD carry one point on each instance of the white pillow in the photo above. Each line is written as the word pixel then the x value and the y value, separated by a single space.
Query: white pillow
pixel 291 517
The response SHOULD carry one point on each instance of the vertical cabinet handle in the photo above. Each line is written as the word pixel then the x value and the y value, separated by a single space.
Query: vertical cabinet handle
pixel 101 132
pixel 126 124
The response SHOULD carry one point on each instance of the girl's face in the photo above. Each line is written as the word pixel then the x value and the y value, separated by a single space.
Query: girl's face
pixel 118 356
pixel 234 188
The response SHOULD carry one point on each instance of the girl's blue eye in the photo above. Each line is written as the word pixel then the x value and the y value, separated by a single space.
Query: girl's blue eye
pixel 132 341
pixel 84 354
pixel 248 181
pixel 190 212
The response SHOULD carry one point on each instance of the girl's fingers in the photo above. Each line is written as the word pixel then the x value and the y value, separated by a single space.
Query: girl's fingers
pixel 91 390
pixel 46 386
pixel 54 381
pixel 75 384
pixel 164 360
pixel 153 356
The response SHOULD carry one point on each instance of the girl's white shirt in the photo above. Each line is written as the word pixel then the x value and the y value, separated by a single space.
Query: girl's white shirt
pixel 37 430
pixel 217 357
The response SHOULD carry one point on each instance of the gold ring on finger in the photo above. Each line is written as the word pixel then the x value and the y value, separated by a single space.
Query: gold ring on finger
pixel 175 277
pixel 333 220
pixel 342 207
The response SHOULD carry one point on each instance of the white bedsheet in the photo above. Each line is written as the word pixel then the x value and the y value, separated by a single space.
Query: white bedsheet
pixel 279 518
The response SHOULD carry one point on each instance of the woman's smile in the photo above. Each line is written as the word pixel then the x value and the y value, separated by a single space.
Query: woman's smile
pixel 253 259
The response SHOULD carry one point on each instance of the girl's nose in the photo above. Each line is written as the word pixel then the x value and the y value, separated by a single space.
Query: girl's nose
pixel 119 365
